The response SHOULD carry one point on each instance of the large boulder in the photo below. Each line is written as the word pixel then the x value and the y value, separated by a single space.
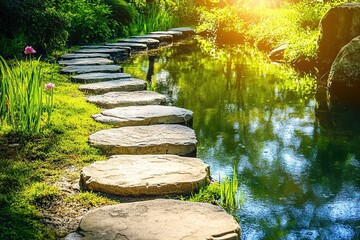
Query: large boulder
pixel 339 25
pixel 344 77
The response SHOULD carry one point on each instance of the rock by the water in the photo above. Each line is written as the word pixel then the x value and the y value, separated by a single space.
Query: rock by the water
pixel 133 46
pixel 160 219
pixel 124 84
pixel 186 31
pixel 166 38
pixel 86 61
pixel 344 77
pixel 339 25
pixel 277 54
pixel 90 69
pixel 145 115
pixel 140 175
pixel 177 35
pixel 150 42
pixel 85 55
pixel 124 99
pixel 99 76
pixel 152 139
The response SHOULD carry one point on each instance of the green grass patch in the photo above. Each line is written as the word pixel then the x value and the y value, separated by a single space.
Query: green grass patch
pixel 90 200
pixel 30 164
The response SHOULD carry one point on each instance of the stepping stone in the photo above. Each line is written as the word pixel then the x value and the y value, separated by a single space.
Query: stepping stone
pixel 187 31
pixel 163 38
pixel 90 69
pixel 160 219
pixel 85 55
pixel 150 42
pixel 114 52
pixel 124 99
pixel 86 61
pixel 133 46
pixel 145 115
pixel 146 175
pixel 152 139
pixel 125 84
pixel 99 76
pixel 177 35
pixel 128 49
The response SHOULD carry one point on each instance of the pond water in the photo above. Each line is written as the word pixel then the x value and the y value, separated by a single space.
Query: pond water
pixel 297 160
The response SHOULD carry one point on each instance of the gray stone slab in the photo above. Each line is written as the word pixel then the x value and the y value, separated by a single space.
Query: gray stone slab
pixel 146 175
pixel 99 77
pixel 128 49
pixel 150 42
pixel 124 84
pixel 114 52
pixel 86 61
pixel 85 55
pixel 163 38
pixel 177 35
pixel 187 31
pixel 160 219
pixel 90 69
pixel 145 115
pixel 134 46
pixel 152 139
pixel 124 99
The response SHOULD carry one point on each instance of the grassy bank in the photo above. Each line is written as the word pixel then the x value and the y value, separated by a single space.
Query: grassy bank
pixel 37 170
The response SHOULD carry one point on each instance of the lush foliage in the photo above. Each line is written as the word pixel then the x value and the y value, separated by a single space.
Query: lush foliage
pixel 50 24
pixel 268 24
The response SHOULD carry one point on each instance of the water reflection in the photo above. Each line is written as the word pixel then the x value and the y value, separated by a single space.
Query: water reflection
pixel 298 164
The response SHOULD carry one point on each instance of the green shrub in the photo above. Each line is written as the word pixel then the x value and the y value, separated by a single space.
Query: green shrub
pixel 90 21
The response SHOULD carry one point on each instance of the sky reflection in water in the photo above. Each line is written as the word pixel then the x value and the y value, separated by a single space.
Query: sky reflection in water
pixel 298 161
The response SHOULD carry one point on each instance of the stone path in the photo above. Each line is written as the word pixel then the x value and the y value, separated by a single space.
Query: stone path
pixel 145 115
pixel 146 151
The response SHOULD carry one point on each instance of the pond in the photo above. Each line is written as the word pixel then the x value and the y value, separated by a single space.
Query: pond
pixel 298 160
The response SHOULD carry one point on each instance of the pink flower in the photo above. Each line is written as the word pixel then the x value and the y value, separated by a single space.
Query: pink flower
pixel 29 50
pixel 49 85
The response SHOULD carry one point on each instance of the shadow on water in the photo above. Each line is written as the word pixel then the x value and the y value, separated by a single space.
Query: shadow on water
pixel 299 163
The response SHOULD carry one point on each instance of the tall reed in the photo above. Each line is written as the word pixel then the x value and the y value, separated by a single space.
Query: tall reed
pixel 154 18
pixel 21 98
pixel 230 197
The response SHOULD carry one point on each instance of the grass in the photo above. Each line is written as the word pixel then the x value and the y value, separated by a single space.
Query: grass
pixel 32 164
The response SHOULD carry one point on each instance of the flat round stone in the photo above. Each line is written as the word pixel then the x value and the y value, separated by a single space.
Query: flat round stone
pixel 145 175
pixel 145 115
pixel 86 61
pixel 124 84
pixel 177 35
pixel 114 52
pixel 187 31
pixel 150 42
pixel 167 38
pixel 90 69
pixel 152 139
pixel 128 49
pixel 99 77
pixel 123 99
pixel 133 46
pixel 160 219
pixel 85 55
